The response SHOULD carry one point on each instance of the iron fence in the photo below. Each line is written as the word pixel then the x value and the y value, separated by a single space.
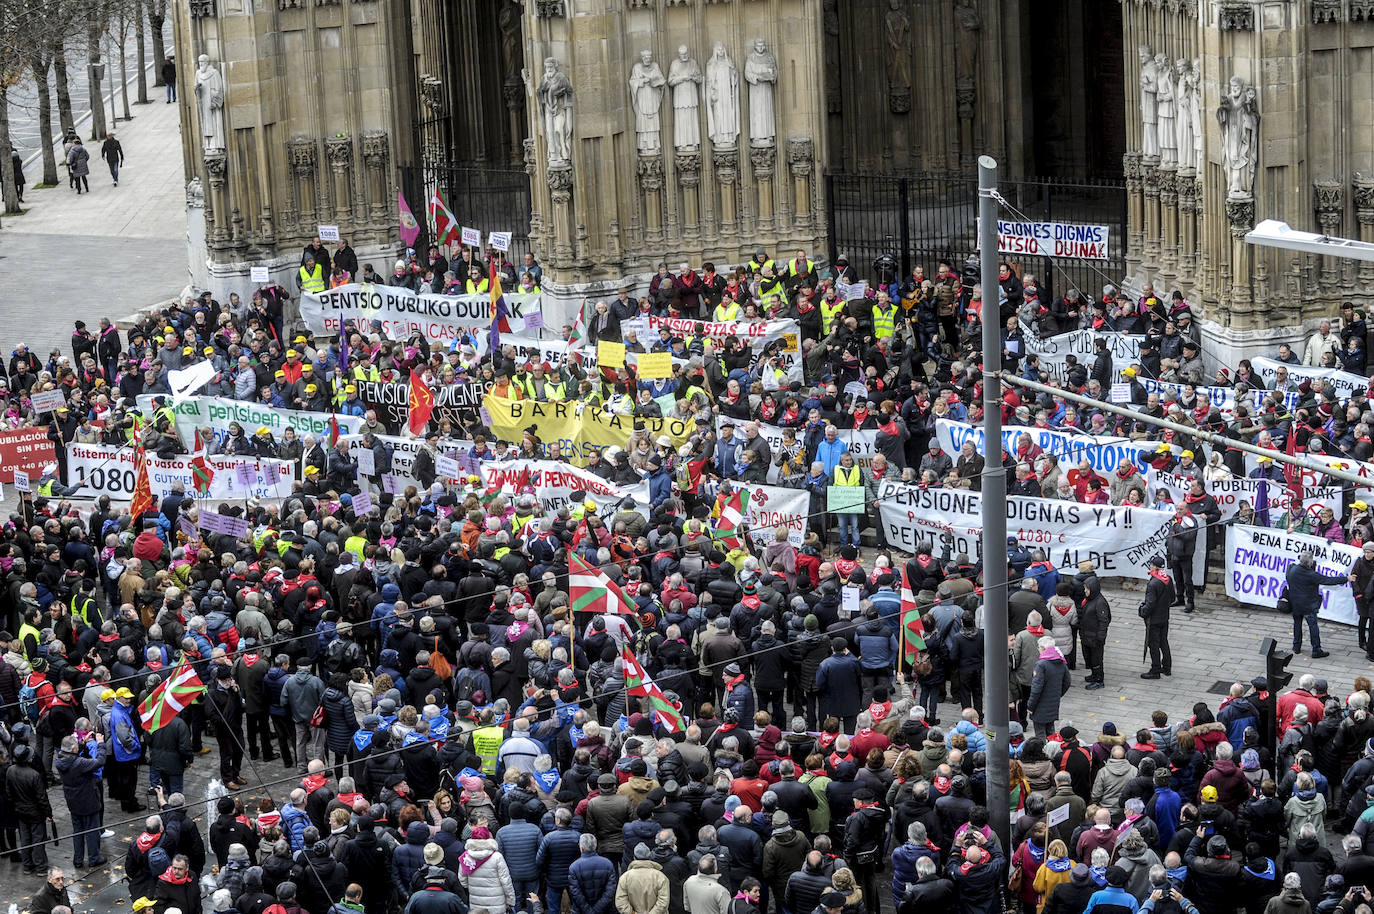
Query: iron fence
pixel 921 219
pixel 488 198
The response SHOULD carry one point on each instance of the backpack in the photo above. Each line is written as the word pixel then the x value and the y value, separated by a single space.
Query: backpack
pixel 28 702
pixel 439 663
pixel 923 665
pixel 464 685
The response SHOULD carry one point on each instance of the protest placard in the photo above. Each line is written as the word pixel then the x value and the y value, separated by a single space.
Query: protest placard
pixel 610 354
pixel 472 237
pixel 1257 562
pixel 328 232
pixel 447 467
pixel 21 481
pixel 367 461
pixel 27 449
pixel 844 499
pixel 654 365
pixel 260 274
pixel 245 474
pixel 534 320
pixel 47 401
pixel 1120 393
pixel 499 240
pixel 362 503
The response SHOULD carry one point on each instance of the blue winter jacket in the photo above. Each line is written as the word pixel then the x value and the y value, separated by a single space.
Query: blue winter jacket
pixel 591 885
pixel 558 851
pixel 519 844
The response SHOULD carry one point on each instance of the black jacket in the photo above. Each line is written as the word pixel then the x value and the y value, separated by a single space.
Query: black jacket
pixel 933 894
pixel 80 786
pixel 26 791
pixel 1154 609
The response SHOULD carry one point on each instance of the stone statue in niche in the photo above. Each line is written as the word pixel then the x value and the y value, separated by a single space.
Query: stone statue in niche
pixel 970 21
pixel 722 99
pixel 1184 125
pixel 210 103
pixel 1239 118
pixel 1164 111
pixel 1195 114
pixel 761 72
pixel 898 58
pixel 555 95
pixel 646 97
pixel 683 78
pixel 1149 80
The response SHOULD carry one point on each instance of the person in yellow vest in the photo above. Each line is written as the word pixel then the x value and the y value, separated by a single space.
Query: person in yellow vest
pixel 310 277
pixel 760 261
pixel 528 286
pixel 769 283
pixel 487 740
pixel 884 316
pixel 727 311
pixel 476 282
pixel 831 306
pixel 848 474
pixel 801 271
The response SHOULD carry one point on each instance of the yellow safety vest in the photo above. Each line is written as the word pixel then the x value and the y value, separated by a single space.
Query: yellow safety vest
pixel 828 313
pixel 884 322
pixel 25 632
pixel 45 488
pixel 756 267
pixel 82 610
pixel 535 291
pixel 356 545
pixel 555 391
pixel 769 287
pixel 486 742
pixel 852 477
pixel 727 313
pixel 792 267
pixel 312 281
pixel 517 523
pixel 475 287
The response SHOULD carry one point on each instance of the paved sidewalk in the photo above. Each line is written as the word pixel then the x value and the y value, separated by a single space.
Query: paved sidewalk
pixel 107 253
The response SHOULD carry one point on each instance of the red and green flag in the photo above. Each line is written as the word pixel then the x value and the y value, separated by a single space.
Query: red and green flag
pixel 640 684
pixel 143 500
pixel 732 514
pixel 333 430
pixel 578 334
pixel 913 632
pixel 202 474
pixel 172 696
pixel 589 590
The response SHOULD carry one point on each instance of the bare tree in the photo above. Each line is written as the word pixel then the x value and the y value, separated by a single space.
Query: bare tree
pixel 142 53
pixel 157 15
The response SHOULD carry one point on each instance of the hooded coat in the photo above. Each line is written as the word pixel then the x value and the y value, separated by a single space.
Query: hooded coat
pixel 483 872
pixel 1049 683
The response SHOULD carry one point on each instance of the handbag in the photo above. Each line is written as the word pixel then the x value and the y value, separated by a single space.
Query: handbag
pixel 1017 874
pixel 319 718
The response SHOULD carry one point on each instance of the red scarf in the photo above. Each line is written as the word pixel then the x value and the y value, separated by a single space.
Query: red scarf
pixel 1036 630
pixel 147 842
pixel 313 782
pixel 1159 575
pixel 879 712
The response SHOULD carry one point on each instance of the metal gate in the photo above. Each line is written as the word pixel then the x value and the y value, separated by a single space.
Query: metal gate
pixel 921 219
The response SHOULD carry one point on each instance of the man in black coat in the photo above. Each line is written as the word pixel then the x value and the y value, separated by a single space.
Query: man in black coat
pixel 1154 609
pixel 81 789
pixel 1094 616
pixel 26 793
pixel 864 832
pixel 931 893
pixel 1303 583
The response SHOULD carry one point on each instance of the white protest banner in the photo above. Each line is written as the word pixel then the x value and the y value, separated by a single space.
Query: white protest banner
pixel 391 400
pixel 771 507
pixel 362 503
pixel 1257 562
pixel 1053 351
pixel 328 232
pixel 48 400
pixel 554 483
pixel 218 413
pixel 21 481
pixel 186 381
pixel 401 313
pixel 447 467
pixel 1117 540
pixel 102 469
pixel 472 237
pixel 555 352
pixel 1346 384
pixel 1054 239
pixel 758 334
pixel 499 240
pixel 261 274
pixel 367 461
pixel 1102 454
pixel 1229 493
pixel 403 451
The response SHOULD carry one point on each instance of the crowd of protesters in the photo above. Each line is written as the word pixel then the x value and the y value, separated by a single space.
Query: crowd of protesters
pixel 466 739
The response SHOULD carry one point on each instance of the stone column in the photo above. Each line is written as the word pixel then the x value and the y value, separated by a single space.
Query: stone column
pixel 1135 210
pixel 689 178
pixel 1186 187
pixel 560 182
pixel 301 153
pixel 1328 199
pixel 800 159
pixel 726 165
pixel 339 149
pixel 1363 191
pixel 376 152
pixel 1240 214
pixel 762 158
pixel 650 173
pixel 216 204
pixel 1150 248
pixel 1168 218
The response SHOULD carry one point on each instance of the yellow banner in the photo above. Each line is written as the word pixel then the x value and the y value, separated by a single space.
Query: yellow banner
pixel 653 365
pixel 610 354
pixel 577 428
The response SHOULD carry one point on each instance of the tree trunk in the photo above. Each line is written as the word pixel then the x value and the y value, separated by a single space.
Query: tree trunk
pixel 157 15
pixel 10 195
pixel 96 95
pixel 124 66
pixel 142 53
pixel 40 66
pixel 64 95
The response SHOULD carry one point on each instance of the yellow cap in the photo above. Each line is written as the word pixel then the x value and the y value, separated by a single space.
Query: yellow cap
pixel 310 388
pixel 312 471
pixel 474 479
pixel 208 350
pixel 1209 794
pixel 291 353
pixel 1360 506
pixel 124 693
pixel 299 339
pixel 143 903
pixel 1187 454
pixel 264 430
pixel 1163 446
pixel 280 373
pixel 306 366
pixel 1265 460
pixel 169 330
pixel 589 505
pixel 1128 371
pixel 107 694
pixel 350 389
pixel 188 351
